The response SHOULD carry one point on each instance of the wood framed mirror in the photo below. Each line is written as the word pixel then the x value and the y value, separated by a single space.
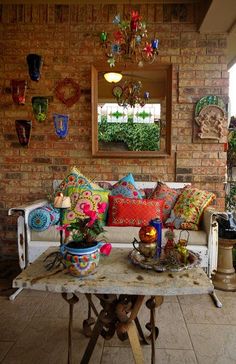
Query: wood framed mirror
pixel 122 130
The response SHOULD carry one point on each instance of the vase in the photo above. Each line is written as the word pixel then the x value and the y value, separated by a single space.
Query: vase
pixel 81 261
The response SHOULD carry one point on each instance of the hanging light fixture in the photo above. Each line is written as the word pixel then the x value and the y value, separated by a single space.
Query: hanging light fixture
pixel 130 42
pixel 130 94
pixel 113 77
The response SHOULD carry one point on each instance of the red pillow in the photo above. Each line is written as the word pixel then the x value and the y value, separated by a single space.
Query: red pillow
pixel 125 211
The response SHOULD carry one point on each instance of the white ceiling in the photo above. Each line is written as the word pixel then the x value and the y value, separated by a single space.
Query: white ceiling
pixel 221 18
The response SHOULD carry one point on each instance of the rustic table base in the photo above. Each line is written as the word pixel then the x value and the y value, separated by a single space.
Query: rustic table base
pixel 119 315
pixel 225 277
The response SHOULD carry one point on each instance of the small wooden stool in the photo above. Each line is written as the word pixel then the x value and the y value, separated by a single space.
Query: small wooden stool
pixel 225 277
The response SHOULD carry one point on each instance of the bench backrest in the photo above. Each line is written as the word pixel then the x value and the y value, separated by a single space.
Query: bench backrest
pixel 139 184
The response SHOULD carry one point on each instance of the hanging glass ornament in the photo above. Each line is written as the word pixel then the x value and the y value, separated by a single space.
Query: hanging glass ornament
pixel 61 124
pixel 34 65
pixel 18 90
pixel 23 129
pixel 40 107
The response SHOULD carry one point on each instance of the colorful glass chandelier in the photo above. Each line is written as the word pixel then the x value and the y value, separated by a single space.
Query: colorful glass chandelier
pixel 130 42
pixel 130 94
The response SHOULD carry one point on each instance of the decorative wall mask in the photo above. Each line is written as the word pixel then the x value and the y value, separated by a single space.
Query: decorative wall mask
pixel 61 125
pixel 211 117
pixel 18 90
pixel 34 65
pixel 68 91
pixel 23 129
pixel 40 107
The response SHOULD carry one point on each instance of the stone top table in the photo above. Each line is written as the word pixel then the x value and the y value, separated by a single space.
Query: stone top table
pixel 121 288
pixel 116 275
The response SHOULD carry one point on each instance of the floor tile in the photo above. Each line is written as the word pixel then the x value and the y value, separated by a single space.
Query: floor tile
pixel 5 346
pixel 214 344
pixel 173 333
pixel 117 355
pixel 15 316
pixel 44 342
pixel 205 312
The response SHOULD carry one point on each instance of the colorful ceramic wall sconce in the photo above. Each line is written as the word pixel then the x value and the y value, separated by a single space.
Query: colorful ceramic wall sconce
pixel 61 125
pixel 23 129
pixel 40 107
pixel 18 91
pixel 67 91
pixel 34 62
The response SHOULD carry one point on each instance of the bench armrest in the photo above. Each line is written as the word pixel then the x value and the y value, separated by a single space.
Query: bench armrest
pixel 210 225
pixel 23 230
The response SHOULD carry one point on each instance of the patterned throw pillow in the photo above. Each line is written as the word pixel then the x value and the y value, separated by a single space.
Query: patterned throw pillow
pixel 80 196
pixel 126 187
pixel 132 211
pixel 76 179
pixel 190 206
pixel 168 194
pixel 41 218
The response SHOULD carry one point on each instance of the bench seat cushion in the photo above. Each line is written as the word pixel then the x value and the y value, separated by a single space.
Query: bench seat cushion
pixel 124 234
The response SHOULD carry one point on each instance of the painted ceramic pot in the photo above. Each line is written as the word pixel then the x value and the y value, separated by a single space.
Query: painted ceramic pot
pixel 81 262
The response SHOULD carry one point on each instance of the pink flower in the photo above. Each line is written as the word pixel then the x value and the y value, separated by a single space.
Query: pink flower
pixel 64 228
pixel 106 249
pixel 86 208
pixel 101 207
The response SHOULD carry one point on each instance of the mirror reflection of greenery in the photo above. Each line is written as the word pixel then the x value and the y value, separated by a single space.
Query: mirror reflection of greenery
pixel 230 200
pixel 137 136
pixel 231 153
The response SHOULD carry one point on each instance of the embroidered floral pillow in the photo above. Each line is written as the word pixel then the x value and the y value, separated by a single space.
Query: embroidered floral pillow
pixel 126 187
pixel 168 194
pixel 125 211
pixel 81 196
pixel 76 179
pixel 190 206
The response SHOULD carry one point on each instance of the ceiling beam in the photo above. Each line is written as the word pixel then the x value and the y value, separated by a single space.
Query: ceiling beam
pixel 68 2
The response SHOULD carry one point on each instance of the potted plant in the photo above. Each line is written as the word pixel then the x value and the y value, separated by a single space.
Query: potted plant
pixel 81 252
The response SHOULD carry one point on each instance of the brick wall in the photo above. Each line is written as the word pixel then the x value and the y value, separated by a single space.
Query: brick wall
pixel 67 36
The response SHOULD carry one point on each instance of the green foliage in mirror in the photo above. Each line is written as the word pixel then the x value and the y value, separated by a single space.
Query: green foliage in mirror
pixel 135 136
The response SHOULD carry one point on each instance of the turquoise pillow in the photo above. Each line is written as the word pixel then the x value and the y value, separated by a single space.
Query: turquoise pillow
pixel 126 187
pixel 41 218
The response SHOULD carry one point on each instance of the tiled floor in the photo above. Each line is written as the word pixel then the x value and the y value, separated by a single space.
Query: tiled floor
pixel 33 330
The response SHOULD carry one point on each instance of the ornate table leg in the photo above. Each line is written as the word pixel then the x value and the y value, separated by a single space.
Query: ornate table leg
pixel 71 300
pixel 119 315
pixel 152 303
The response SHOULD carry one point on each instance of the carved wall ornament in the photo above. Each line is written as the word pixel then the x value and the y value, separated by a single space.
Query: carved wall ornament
pixel 210 117
pixel 211 121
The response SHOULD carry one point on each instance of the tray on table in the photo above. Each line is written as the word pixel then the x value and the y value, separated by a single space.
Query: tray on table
pixel 163 264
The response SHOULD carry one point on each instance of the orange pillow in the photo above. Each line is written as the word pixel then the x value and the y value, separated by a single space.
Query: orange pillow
pixel 125 211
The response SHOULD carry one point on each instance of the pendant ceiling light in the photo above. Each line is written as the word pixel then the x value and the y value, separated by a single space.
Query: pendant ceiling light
pixel 113 77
